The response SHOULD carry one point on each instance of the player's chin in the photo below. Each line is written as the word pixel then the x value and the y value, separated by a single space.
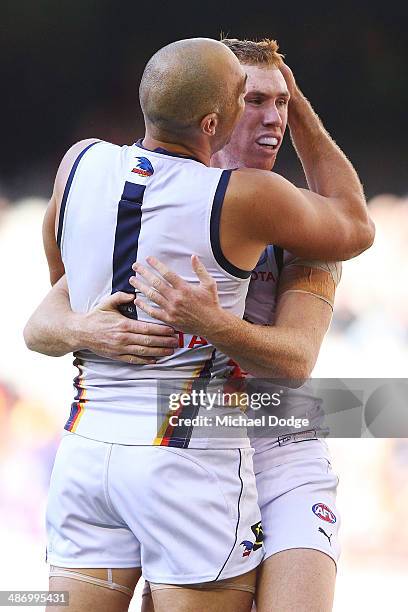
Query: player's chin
pixel 263 157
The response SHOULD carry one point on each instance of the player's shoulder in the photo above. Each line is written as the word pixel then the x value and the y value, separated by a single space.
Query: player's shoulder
pixel 79 146
pixel 72 153
pixel 68 160
pixel 77 149
pixel 250 184
pixel 252 177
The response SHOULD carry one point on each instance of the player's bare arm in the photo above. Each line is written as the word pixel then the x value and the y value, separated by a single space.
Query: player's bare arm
pixel 320 156
pixel 288 350
pixel 55 330
pixel 331 228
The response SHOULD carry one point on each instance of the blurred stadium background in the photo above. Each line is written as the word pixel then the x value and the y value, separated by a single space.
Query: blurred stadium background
pixel 70 71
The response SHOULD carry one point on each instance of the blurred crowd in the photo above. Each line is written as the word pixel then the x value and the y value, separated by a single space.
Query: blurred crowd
pixel 369 332
pixel 368 338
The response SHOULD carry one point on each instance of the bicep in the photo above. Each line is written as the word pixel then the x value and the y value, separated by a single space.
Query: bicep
pixel 306 223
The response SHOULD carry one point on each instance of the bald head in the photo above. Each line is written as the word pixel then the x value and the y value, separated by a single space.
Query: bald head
pixel 185 81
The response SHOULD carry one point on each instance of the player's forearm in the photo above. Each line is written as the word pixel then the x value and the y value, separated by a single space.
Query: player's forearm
pixel 328 171
pixel 264 351
pixel 53 329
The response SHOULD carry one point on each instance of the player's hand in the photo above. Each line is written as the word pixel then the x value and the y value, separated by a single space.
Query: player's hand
pixel 110 334
pixel 290 80
pixel 188 307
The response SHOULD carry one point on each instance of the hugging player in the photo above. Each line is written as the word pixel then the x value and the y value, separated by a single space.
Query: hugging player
pixel 294 298
pixel 289 349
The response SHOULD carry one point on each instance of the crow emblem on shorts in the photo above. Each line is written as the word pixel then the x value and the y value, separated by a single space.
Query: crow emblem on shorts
pixel 259 537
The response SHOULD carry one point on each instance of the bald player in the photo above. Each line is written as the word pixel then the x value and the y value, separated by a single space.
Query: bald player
pixel 287 312
pixel 346 212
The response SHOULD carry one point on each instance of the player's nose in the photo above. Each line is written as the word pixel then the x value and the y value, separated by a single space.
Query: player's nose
pixel 272 116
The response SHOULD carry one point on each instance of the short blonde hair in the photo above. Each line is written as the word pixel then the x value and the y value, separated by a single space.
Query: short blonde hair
pixel 250 52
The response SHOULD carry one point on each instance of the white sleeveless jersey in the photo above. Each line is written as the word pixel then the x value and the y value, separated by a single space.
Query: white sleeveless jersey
pixel 122 204
pixel 260 309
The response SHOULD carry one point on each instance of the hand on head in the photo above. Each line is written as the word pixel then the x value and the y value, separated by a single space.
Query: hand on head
pixel 289 78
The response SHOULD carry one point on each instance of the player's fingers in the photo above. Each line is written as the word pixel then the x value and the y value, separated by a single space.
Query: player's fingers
pixel 116 299
pixel 171 277
pixel 288 76
pixel 155 313
pixel 153 341
pixel 150 329
pixel 152 279
pixel 201 271
pixel 148 351
pixel 149 292
pixel 284 68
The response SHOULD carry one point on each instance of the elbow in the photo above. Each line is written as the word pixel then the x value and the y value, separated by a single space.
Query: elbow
pixel 364 236
pixel 32 335
pixel 358 238
pixel 292 366
pixel 297 370
pixel 368 235
pixel 296 376
pixel 29 337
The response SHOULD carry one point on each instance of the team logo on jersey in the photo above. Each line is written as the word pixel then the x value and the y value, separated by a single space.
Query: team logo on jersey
pixel 144 167
pixel 324 513
pixel 252 546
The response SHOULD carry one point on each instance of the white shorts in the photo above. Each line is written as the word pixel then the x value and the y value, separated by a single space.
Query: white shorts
pixel 183 515
pixel 297 496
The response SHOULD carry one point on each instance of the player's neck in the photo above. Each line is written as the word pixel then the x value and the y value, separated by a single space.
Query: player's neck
pixel 195 151
pixel 223 159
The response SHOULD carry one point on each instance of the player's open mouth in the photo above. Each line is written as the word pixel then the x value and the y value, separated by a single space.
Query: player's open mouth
pixel 268 142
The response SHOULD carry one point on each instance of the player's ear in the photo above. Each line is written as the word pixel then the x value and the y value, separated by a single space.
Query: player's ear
pixel 209 124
